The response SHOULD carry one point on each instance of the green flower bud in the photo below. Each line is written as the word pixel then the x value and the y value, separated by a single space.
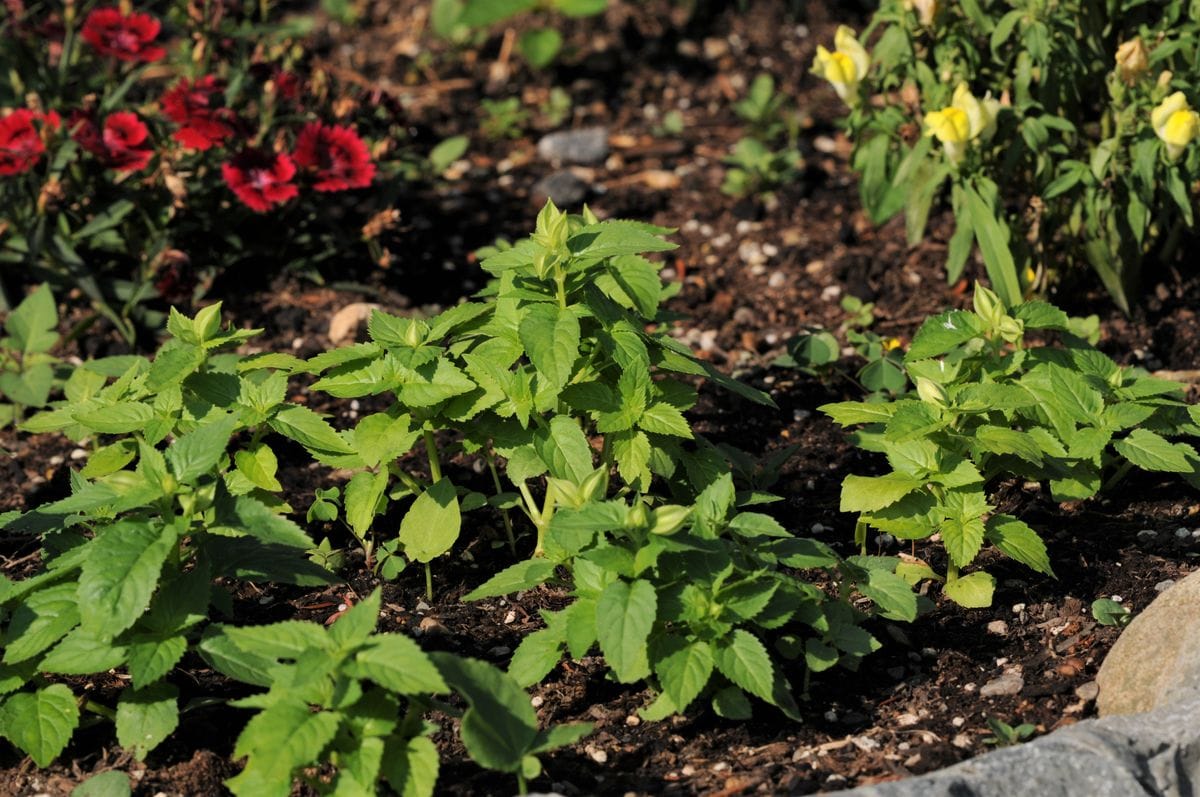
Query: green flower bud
pixel 988 305
pixel 669 519
pixel 931 392
pixel 638 517
pixel 1011 329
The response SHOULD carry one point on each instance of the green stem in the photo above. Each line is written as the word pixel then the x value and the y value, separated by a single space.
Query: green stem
pixel 435 467
pixel 522 786
pixel 101 709
pixel 508 527
pixel 428 581
pixel 1119 474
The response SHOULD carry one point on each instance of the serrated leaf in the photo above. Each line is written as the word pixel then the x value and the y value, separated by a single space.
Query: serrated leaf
pixel 259 465
pixel 963 538
pixel 742 659
pixel 891 594
pixel 683 669
pixel 146 717
pixel 411 766
pixel 849 413
pixel 83 652
pixel 514 578
pixel 432 523
pixel 309 430
pixel 31 324
pixel 106 784
pixel 1018 541
pixel 731 703
pixel 536 656
pixel 662 418
pixel 398 664
pixel 564 448
pixel 1150 451
pixel 972 591
pixel 120 574
pixel 871 493
pixel 40 723
pixel 43 618
pixel 199 451
pixel 550 335
pixel 943 333
pixel 625 614
pixel 120 418
pixel 151 658
pixel 362 497
pixel 277 740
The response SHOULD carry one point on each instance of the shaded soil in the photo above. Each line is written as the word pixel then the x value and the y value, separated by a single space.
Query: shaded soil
pixel 753 273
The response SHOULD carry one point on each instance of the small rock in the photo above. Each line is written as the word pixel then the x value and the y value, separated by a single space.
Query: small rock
pixel 720 766
pixel 510 618
pixel 344 325
pixel 962 741
pixel 1164 585
pixel 907 720
pixel 57 460
pixel 777 279
pixel 831 715
pixel 865 743
pixel 770 250
pixel 687 771
pixel 562 188
pixel 499 651
pixel 1182 533
pixel 586 145
pixel 1088 691
pixel 1146 534
pixel 998 627
pixel 1018 608
pixel 78 454
pixel 633 720
pixel 596 754
pixel 958 722
pixel 1010 683
pixel 431 626
pixel 422 606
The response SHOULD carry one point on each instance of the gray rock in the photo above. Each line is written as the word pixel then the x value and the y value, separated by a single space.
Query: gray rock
pixel 1149 754
pixel 586 145
pixel 1011 683
pixel 1157 656
pixel 563 188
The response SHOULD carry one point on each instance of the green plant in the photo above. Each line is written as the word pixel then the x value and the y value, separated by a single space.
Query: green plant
pixel 27 369
pixel 1045 168
pixel 763 110
pixel 129 558
pixel 993 405
pixel 558 351
pixel 756 169
pixel 557 107
pixel 683 597
pixel 356 700
pixel 1005 735
pixel 504 118
pixel 1107 611
pixel 539 45
pixel 670 126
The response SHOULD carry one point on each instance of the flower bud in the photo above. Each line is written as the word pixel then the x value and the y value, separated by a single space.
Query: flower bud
pixel 595 485
pixel 926 10
pixel 1011 329
pixel 988 305
pixel 1133 60
pixel 845 67
pixel 638 517
pixel 669 519
pixel 931 392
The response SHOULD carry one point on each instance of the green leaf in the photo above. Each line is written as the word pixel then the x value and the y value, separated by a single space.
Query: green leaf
pixel 40 723
pixel 398 664
pixel 146 717
pixel 870 493
pixel 891 594
pixel 109 459
pixel 41 620
pixel 973 591
pixel 683 668
pixel 1150 451
pixel 83 652
pixel 500 727
pixel 963 537
pixel 732 704
pixel 618 237
pixel 1018 541
pixel 309 430
pixel 991 233
pixel 106 784
pixel 662 418
pixel 277 740
pixel 436 382
pixel 32 323
pixel 564 448
pixel 199 451
pixel 514 578
pixel 151 658
pixel 1065 396
pixel 625 614
pixel 259 465
pixel 411 766
pixel 848 413
pixel 536 656
pixel 120 418
pixel 539 46
pixel 120 574
pixel 362 500
pixel 550 335
pixel 432 523
pixel 742 659
pixel 943 333
pixel 819 656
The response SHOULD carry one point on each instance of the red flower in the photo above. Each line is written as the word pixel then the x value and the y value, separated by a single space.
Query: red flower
pixel 287 84
pixel 126 38
pixel 21 145
pixel 122 145
pixel 260 178
pixel 190 105
pixel 336 155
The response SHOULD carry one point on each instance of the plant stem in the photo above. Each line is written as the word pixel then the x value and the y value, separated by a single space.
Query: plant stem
pixel 101 709
pixel 1119 474
pixel 522 786
pixel 428 581
pixel 508 527
pixel 435 467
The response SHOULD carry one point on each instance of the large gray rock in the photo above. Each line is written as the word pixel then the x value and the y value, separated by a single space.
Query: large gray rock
pixel 1148 754
pixel 1157 658
pixel 586 145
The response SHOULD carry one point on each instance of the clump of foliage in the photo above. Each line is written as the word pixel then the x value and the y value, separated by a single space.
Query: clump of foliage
pixel 540 45
pixel 994 405
pixel 1051 124
pixel 28 372
pixel 756 166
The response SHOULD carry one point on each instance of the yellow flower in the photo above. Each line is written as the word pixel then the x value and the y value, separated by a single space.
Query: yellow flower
pixel 966 119
pixel 845 67
pixel 1175 123
pixel 926 10
pixel 1133 60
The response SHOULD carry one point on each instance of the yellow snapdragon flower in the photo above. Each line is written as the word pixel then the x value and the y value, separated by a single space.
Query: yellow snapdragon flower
pixel 1175 123
pixel 964 120
pixel 845 67
pixel 1133 60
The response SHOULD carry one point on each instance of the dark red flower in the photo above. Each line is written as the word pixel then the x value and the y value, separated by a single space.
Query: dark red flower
pixel 190 105
pixel 126 38
pixel 122 145
pixel 287 84
pixel 21 146
pixel 336 155
pixel 260 178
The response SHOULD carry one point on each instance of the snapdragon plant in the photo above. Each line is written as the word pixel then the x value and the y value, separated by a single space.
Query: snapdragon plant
pixel 993 402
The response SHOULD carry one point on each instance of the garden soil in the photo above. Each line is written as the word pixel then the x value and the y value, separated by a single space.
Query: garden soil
pixel 752 273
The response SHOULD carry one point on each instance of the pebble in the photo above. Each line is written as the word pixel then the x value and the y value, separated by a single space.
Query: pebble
pixel 1089 691
pixel 831 292
pixel 721 241
pixel 958 722
pixel 1018 608
pixel 499 650
pixel 1182 533
pixel 536 701
pixel 896 673
pixel 707 231
pixel 633 720
pixel 907 720
pixel 770 250
pixel 563 188
pixel 998 627
pixel 962 740
pixel 824 144
pixel 431 626
pixel 510 618
pixel 586 145
pixel 596 754
pixel 687 771
pixel 1164 585
pixel 1116 598
pixel 78 454
pixel 831 715
pixel 422 606
pixel 744 226
pixel 57 460
pixel 720 766
pixel 777 280
pixel 865 743
pixel 1147 534
pixel 750 252
pixel 1010 683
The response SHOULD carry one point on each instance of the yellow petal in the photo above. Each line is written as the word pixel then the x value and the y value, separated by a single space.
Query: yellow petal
pixel 966 102
pixel 949 125
pixel 847 43
pixel 1181 128
pixel 1160 115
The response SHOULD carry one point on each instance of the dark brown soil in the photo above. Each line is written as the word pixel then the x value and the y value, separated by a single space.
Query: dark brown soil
pixel 753 272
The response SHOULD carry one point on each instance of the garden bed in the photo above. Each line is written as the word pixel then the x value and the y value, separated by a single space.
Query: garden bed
pixel 754 272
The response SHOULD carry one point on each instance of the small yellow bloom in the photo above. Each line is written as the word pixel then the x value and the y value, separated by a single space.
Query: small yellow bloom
pixel 950 125
pixel 965 119
pixel 927 10
pixel 1133 60
pixel 891 344
pixel 1175 123
pixel 845 67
